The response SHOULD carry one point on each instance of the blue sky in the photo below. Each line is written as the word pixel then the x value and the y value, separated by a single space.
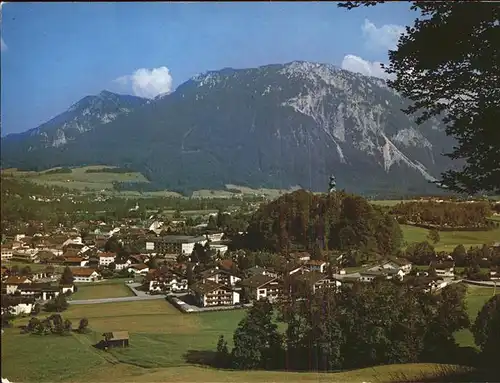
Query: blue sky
pixel 54 54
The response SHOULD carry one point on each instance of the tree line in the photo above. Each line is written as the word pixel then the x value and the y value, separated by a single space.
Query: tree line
pixel 117 170
pixel 359 326
pixel 444 214
pixel 336 221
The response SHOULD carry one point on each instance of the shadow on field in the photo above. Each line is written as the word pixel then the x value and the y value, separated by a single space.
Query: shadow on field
pixel 204 358
pixel 451 374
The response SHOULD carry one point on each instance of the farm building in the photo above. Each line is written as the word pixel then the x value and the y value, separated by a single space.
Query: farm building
pixel 116 339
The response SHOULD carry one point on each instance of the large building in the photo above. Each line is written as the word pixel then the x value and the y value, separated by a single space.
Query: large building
pixel 173 244
pixel 210 294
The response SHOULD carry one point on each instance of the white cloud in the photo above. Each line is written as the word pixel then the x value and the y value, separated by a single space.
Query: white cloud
pixel 356 64
pixel 385 37
pixel 378 39
pixel 148 82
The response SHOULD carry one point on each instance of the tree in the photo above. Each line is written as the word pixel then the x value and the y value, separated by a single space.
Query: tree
pixel 190 274
pixel 316 253
pixel 433 236
pixel 486 330
pixel 222 219
pixel 14 270
pixel 257 342
pixel 36 309
pixel 67 277
pixel 50 269
pixel 7 316
pixel 112 245
pixel 153 263
pixel 67 326
pixel 460 82
pixel 34 325
pixel 25 271
pixel 421 253
pixel 222 357
pixel 83 325
pixel 459 255
pixel 449 316
pixel 212 223
pixel 58 304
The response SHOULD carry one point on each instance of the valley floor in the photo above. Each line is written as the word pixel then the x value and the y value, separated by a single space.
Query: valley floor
pixel 165 345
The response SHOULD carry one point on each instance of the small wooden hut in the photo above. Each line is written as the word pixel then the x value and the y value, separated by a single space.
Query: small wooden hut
pixel 116 339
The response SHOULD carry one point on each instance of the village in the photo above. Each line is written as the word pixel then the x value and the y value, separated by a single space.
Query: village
pixel 170 266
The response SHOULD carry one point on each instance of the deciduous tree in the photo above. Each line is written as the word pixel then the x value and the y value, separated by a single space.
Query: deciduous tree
pixel 83 325
pixel 67 277
pixel 447 64
pixel 486 330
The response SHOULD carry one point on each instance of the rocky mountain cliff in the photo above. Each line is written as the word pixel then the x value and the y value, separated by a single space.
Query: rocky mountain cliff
pixel 81 117
pixel 272 126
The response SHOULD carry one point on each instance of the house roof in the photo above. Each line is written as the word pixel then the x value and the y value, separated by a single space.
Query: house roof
pixel 70 253
pixel 257 281
pixel 14 300
pixel 312 277
pixel 207 287
pixel 398 261
pixel 226 264
pixel 314 262
pixel 374 272
pixel 444 265
pixel 37 287
pixel 140 266
pixel 116 335
pixel 300 254
pixel 178 239
pixel 83 271
pixel 73 259
pixel 15 280
pixel 45 254
pixel 208 273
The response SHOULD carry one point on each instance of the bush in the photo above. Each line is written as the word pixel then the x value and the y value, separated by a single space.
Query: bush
pixel 57 304
pixel 83 325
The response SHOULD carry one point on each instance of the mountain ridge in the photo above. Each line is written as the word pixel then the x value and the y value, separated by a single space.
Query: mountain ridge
pixel 273 126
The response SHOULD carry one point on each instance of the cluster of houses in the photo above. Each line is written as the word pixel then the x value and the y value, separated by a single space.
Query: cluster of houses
pixel 87 256
pixel 222 286
pixel 20 293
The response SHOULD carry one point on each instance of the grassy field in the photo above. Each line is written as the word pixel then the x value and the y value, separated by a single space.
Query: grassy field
pixel 99 291
pixel 33 266
pixel 387 202
pixel 78 178
pixel 476 298
pixel 164 346
pixel 450 239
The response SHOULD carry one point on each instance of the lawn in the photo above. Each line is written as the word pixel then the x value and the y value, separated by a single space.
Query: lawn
pixel 111 281
pixel 30 358
pixel 33 266
pixel 99 291
pixel 476 298
pixel 387 202
pixel 380 374
pixel 79 179
pixel 450 239
pixel 164 346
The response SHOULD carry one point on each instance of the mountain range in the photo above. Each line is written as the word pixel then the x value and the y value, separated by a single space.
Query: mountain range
pixel 275 126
